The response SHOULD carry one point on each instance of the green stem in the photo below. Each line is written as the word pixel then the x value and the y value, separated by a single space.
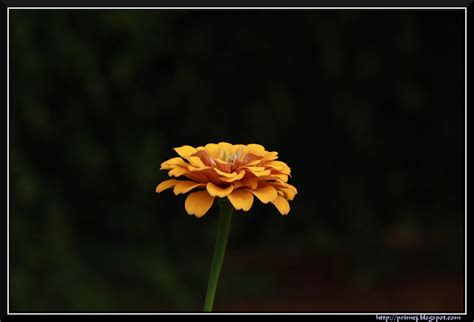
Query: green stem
pixel 219 251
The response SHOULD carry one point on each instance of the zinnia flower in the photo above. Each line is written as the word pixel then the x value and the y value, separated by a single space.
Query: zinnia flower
pixel 236 172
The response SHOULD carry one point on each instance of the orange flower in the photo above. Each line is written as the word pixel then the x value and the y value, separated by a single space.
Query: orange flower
pixel 238 172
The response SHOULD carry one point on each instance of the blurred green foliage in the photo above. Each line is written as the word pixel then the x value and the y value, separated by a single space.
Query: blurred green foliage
pixel 365 106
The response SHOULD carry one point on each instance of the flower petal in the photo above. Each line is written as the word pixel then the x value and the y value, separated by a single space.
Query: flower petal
pixel 213 149
pixel 256 149
pixel 258 171
pixel 288 192
pixel 234 179
pixel 265 194
pixel 251 182
pixel 282 177
pixel 166 185
pixel 186 186
pixel 222 166
pixel 282 205
pixel 225 174
pixel 289 186
pixel 231 177
pixel 279 166
pixel 198 203
pixel 178 171
pixel 241 199
pixel 250 158
pixel 196 162
pixel 172 163
pixel 284 189
pixel 185 151
pixel 217 191
pixel 205 156
pixel 270 156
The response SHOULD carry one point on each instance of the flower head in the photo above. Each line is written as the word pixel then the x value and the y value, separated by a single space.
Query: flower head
pixel 236 172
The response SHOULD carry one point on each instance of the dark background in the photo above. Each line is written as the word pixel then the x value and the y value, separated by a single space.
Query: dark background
pixel 367 107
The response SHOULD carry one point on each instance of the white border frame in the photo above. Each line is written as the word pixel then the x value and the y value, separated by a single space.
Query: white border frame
pixel 245 8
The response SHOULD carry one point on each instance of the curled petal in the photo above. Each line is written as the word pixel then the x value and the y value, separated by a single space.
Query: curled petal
pixel 289 194
pixel 217 191
pixel 196 162
pixel 185 151
pixel 166 185
pixel 172 163
pixel 256 149
pixel 205 176
pixel 270 156
pixel 282 205
pixel 251 159
pixel 291 187
pixel 177 172
pixel 287 189
pixel 282 177
pixel 259 171
pixel 186 186
pixel 225 174
pixel 241 199
pixel 205 156
pixel 198 203
pixel 279 166
pixel 222 166
pixel 272 180
pixel 251 182
pixel 265 194
pixel 234 177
